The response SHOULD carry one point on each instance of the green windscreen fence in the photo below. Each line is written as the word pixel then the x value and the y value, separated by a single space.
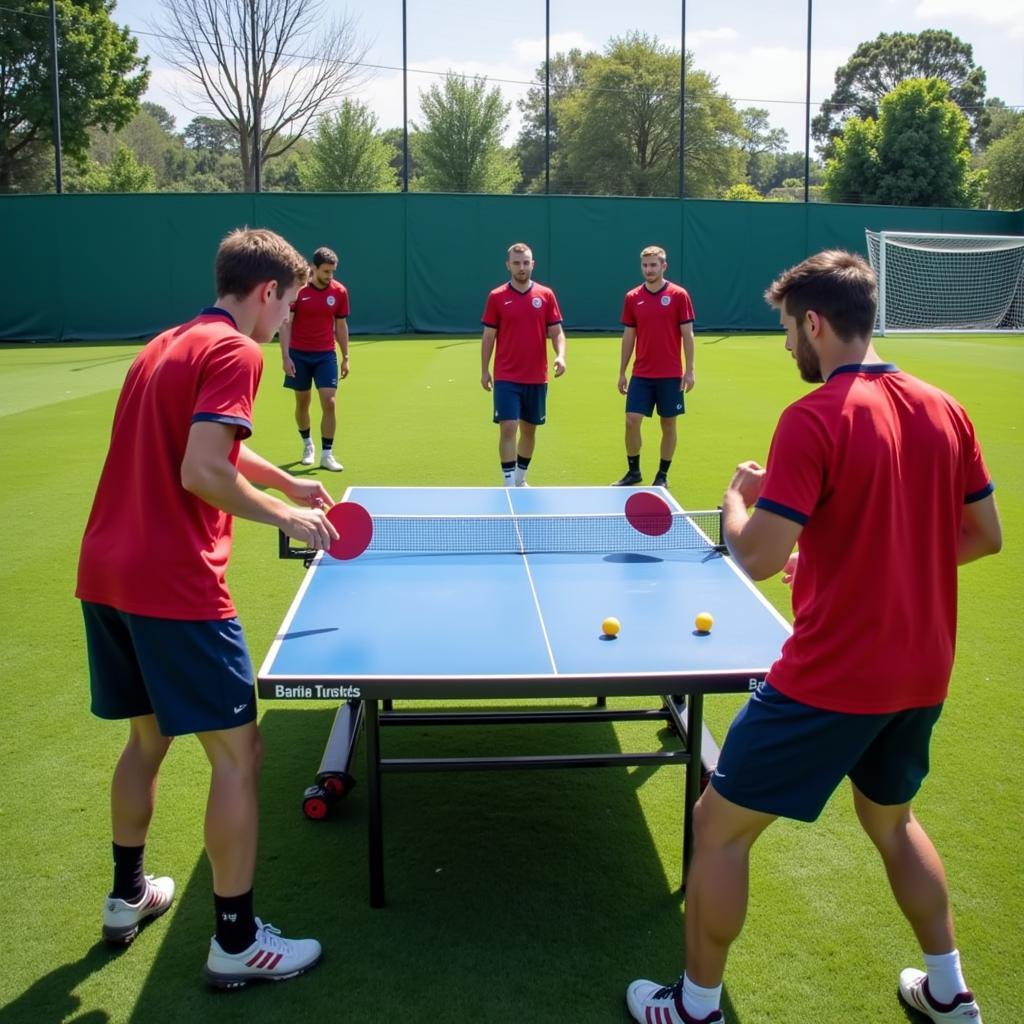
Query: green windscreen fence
pixel 127 266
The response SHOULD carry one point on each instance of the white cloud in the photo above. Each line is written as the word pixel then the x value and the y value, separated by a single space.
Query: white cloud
pixel 710 35
pixel 531 51
pixel 993 12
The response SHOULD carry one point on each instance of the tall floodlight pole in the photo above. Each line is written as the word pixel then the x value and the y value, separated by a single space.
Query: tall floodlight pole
pixel 682 103
pixel 547 96
pixel 405 101
pixel 807 112
pixel 257 120
pixel 55 88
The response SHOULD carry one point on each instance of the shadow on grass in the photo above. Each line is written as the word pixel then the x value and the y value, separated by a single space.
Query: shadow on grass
pixel 52 997
pixel 512 896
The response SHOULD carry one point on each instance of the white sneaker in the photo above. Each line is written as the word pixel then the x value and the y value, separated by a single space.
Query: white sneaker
pixel 308 452
pixel 914 991
pixel 522 483
pixel 269 958
pixel 121 919
pixel 328 461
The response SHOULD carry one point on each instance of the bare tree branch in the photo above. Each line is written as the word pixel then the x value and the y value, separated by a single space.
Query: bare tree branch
pixel 268 68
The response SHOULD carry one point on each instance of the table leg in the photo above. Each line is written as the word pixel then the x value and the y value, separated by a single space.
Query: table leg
pixel 694 731
pixel 376 822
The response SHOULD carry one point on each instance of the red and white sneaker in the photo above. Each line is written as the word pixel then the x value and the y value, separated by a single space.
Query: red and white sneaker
pixel 914 991
pixel 269 958
pixel 122 920
pixel 651 1003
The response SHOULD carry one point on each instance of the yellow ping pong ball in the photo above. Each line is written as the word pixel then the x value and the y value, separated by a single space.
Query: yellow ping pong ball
pixel 704 622
pixel 610 627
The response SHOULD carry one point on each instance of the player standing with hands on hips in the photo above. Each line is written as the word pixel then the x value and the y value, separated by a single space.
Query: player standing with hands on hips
pixel 658 317
pixel 166 651
pixel 881 479
pixel 518 319
pixel 317 321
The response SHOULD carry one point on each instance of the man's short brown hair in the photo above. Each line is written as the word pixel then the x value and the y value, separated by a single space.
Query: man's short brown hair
pixel 324 255
pixel 249 256
pixel 837 285
pixel 654 250
pixel 519 247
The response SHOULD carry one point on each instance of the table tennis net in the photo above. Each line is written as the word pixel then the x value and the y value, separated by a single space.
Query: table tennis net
pixel 543 534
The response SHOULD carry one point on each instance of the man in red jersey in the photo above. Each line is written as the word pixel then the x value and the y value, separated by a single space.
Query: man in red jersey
pixel 881 478
pixel 657 316
pixel 519 317
pixel 165 648
pixel 318 320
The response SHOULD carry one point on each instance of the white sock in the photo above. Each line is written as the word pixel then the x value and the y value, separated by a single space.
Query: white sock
pixel 945 979
pixel 510 478
pixel 700 1002
pixel 520 476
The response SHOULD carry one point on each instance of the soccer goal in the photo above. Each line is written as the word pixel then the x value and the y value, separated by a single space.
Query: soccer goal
pixel 955 283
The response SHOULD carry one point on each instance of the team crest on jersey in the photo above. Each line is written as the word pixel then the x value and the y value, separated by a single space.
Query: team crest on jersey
pixel 331 300
pixel 666 299
pixel 536 302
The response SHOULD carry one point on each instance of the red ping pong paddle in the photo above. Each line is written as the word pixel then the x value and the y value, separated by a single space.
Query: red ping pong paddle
pixel 355 530
pixel 649 514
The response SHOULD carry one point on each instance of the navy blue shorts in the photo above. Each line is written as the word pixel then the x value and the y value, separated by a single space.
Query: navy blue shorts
pixel 644 393
pixel 520 402
pixel 321 367
pixel 195 676
pixel 786 758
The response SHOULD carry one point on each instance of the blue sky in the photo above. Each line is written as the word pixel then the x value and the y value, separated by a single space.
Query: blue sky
pixel 755 47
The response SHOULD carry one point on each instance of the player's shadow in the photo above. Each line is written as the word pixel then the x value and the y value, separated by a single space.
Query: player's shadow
pixel 52 997
pixel 511 896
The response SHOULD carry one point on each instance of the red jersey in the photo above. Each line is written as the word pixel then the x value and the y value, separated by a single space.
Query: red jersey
pixel 313 314
pixel 522 320
pixel 151 547
pixel 657 317
pixel 877 466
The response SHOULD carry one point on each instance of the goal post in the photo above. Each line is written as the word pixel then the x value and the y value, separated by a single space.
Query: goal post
pixel 946 282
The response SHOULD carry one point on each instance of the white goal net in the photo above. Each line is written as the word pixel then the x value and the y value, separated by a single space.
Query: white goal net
pixel 948 282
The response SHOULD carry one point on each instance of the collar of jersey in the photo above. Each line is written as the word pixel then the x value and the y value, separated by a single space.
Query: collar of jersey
pixel 513 288
pixel 658 292
pixel 865 368
pixel 217 311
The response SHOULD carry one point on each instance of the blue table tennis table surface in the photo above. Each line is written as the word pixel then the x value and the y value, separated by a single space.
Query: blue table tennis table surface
pixel 426 625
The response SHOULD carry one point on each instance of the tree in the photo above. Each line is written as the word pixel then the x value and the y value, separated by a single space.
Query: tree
pixel 1004 162
pixel 152 145
pixel 348 154
pixel 567 75
pixel 211 133
pixel 393 138
pixel 241 55
pixel 101 79
pixel 620 132
pixel 877 67
pixel 771 170
pixel 161 115
pixel 124 173
pixel 915 154
pixel 1000 120
pixel 458 145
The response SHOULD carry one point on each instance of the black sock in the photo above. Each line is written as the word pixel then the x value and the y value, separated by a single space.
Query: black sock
pixel 129 881
pixel 663 467
pixel 236 924
pixel 522 462
pixel 304 434
pixel 634 463
pixel 327 442
pixel 508 467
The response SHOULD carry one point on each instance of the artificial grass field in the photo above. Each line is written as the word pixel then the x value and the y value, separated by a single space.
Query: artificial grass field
pixel 514 896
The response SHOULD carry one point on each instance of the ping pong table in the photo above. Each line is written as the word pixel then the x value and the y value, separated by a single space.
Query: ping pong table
pixel 469 618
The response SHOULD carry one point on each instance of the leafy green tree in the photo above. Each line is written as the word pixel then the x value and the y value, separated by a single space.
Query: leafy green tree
pixel 392 137
pixel 770 170
pixel 1000 120
pixel 458 144
pixel 620 132
pixel 101 79
pixel 915 154
pixel 211 133
pixel 759 138
pixel 161 115
pixel 878 66
pixel 348 154
pixel 124 173
pixel 568 71
pixel 1004 162
pixel 151 143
